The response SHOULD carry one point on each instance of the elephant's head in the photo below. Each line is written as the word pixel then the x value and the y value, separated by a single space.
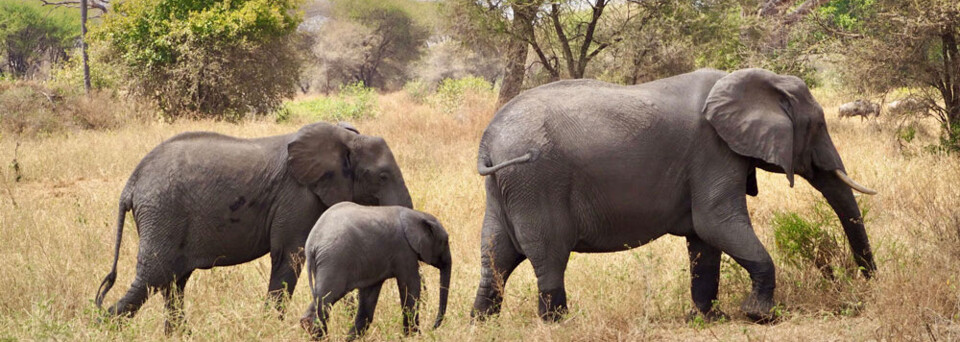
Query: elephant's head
pixel 431 243
pixel 774 120
pixel 340 164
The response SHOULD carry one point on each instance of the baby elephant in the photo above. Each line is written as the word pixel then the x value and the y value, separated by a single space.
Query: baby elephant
pixel 358 247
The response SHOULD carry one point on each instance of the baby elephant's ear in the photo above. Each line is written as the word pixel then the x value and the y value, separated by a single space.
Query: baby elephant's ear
pixel 420 235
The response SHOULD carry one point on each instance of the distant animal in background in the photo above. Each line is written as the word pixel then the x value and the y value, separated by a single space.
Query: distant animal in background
pixel 907 105
pixel 358 247
pixel 861 108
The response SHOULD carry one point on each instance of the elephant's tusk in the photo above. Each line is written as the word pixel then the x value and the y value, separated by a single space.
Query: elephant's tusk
pixel 856 186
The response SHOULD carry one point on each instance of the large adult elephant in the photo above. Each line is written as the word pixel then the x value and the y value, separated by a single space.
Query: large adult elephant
pixel 593 167
pixel 203 199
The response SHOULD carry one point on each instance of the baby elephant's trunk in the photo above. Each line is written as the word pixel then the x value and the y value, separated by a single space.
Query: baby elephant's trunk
pixel 444 286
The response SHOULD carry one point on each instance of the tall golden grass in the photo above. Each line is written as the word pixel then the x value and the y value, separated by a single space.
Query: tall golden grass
pixel 57 233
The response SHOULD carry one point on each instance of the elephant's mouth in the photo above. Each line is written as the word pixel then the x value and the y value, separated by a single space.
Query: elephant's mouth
pixel 853 184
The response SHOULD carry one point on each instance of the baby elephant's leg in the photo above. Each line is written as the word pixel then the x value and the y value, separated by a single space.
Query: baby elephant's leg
pixel 409 287
pixel 365 307
pixel 319 310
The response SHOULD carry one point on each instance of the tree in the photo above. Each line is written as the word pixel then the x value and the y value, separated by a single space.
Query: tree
pixel 888 44
pixel 373 42
pixel 30 37
pixel 84 5
pixel 220 58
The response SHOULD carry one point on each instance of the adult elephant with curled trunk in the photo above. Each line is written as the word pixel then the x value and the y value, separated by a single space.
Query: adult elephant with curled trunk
pixel 202 199
pixel 593 167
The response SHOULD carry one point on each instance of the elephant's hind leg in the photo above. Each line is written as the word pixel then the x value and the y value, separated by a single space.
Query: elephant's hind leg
pixel 130 303
pixel 368 304
pixel 704 277
pixel 173 300
pixel 498 259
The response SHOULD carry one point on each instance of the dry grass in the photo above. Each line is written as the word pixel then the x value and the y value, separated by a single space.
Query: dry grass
pixel 56 236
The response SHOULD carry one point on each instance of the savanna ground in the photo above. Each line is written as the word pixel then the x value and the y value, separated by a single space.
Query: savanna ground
pixel 57 233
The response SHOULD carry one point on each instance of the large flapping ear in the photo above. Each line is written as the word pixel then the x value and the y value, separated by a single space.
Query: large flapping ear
pixel 751 111
pixel 425 236
pixel 319 157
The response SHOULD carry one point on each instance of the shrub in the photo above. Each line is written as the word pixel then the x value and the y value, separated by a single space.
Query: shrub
pixel 352 102
pixel 30 109
pixel 451 93
pixel 417 90
pixel 804 242
pixel 207 58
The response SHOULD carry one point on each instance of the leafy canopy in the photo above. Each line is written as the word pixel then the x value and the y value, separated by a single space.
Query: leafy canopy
pixel 30 33
pixel 206 56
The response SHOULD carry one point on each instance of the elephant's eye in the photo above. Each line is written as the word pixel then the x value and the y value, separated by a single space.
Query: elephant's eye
pixel 384 176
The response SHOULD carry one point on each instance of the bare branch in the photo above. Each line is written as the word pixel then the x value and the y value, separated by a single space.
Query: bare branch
pixel 95 4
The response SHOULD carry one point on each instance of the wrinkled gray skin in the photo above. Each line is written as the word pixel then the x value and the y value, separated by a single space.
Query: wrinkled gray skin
pixel 203 199
pixel 358 247
pixel 861 108
pixel 588 166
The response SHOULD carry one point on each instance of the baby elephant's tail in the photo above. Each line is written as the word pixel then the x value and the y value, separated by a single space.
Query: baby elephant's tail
pixel 125 205
pixel 485 168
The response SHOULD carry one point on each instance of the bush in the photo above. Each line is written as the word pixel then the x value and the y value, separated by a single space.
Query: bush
pixel 30 109
pixel 206 58
pixel 803 242
pixel 451 93
pixel 352 102
pixel 417 90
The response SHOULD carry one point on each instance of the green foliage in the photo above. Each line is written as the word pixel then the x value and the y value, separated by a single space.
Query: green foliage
pixel 451 93
pixel 221 58
pixel 803 242
pixel 30 34
pixel 352 102
pixel 418 90
pixel 68 76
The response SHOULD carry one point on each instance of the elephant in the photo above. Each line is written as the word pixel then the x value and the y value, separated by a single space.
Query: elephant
pixel 358 247
pixel 592 167
pixel 861 108
pixel 202 199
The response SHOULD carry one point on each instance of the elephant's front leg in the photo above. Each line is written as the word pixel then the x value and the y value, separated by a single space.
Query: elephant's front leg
pixel 283 276
pixel 724 223
pixel 704 278
pixel 409 287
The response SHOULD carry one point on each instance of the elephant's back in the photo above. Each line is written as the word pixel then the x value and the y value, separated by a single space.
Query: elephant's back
pixel 580 119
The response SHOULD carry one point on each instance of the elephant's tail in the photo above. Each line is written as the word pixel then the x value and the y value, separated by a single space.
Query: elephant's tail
pixel 126 203
pixel 485 168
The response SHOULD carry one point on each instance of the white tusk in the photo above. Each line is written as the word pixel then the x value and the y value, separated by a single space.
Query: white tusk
pixel 846 179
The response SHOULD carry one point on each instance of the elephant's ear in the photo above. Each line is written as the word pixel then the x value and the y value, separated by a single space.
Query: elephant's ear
pixel 751 111
pixel 319 157
pixel 424 235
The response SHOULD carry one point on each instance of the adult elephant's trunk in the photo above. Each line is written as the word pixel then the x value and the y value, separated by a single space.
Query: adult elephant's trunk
pixel 444 266
pixel 840 197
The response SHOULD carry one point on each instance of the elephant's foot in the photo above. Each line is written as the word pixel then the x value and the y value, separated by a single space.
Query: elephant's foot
pixel 307 323
pixel 714 315
pixel 173 328
pixel 553 305
pixel 759 310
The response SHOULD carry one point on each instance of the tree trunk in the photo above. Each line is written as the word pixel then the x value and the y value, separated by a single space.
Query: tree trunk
pixel 83 46
pixel 516 56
